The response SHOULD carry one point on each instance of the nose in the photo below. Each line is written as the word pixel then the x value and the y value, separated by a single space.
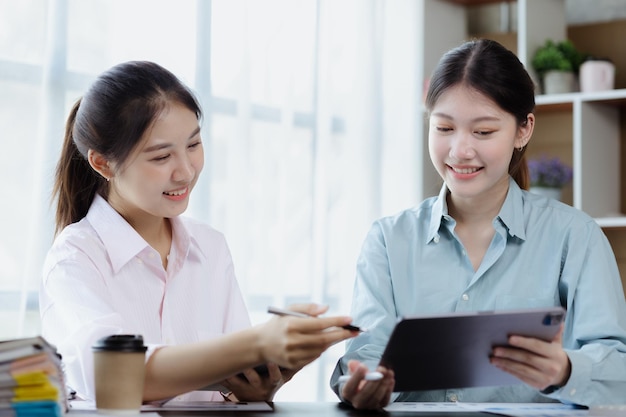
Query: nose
pixel 184 170
pixel 462 147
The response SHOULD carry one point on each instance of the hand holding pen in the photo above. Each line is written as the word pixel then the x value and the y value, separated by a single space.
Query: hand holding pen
pixel 294 343
pixel 283 312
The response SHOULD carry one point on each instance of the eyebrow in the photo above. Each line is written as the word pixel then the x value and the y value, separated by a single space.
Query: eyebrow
pixel 160 146
pixel 478 119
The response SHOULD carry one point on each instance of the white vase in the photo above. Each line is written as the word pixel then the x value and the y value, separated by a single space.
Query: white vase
pixel 550 192
pixel 558 82
pixel 597 75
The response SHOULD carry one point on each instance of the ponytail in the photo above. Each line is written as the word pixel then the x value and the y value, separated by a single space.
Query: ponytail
pixel 518 169
pixel 76 183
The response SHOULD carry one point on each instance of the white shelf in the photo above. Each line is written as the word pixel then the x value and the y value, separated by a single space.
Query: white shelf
pixel 608 96
pixel 608 222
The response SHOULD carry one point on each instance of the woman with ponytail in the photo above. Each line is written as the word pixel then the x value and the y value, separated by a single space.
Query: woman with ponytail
pixel 485 243
pixel 124 260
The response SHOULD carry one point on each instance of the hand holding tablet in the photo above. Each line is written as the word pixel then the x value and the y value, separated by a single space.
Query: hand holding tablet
pixel 453 350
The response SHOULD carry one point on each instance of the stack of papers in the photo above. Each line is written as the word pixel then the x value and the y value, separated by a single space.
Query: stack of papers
pixel 31 379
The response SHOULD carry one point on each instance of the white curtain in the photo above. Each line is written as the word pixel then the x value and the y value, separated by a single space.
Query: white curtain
pixel 309 130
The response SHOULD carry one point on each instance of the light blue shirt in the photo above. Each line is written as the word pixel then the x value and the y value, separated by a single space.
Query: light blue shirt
pixel 544 253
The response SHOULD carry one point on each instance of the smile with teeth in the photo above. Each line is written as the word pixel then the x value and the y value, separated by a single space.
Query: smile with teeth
pixel 464 170
pixel 176 193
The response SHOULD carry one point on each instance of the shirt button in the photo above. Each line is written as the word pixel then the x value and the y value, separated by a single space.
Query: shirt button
pixel 453 398
pixel 465 297
pixel 139 261
pixel 151 255
pixel 436 239
pixel 464 253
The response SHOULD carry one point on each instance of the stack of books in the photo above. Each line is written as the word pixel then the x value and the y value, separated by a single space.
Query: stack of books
pixel 31 379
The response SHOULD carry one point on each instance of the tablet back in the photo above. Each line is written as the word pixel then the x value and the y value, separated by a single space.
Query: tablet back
pixel 452 350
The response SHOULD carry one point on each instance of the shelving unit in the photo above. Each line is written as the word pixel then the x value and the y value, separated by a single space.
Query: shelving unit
pixel 586 130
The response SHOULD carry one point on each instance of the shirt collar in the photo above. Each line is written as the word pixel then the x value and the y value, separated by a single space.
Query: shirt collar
pixel 512 211
pixel 511 214
pixel 439 212
pixel 121 241
pixel 183 239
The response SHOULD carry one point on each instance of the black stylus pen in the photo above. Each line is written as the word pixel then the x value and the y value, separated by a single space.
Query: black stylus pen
pixel 283 312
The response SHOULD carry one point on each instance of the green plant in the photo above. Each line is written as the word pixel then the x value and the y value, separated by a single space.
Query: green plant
pixel 560 56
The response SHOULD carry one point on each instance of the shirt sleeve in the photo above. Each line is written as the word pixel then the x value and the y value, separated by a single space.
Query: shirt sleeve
pixel 76 311
pixel 372 307
pixel 595 332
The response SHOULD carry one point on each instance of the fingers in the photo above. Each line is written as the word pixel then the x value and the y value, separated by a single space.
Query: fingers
pixel 293 342
pixel 310 325
pixel 274 376
pixel 256 387
pixel 536 362
pixel 368 395
pixel 311 309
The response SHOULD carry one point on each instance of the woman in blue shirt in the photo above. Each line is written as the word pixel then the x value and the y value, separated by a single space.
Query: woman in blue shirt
pixel 485 243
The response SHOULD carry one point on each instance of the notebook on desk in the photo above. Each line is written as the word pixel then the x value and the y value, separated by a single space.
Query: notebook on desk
pixel 452 350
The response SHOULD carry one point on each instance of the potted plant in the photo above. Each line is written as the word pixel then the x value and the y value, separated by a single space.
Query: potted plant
pixel 548 176
pixel 557 64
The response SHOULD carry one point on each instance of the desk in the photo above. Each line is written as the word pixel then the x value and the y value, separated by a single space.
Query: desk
pixel 317 409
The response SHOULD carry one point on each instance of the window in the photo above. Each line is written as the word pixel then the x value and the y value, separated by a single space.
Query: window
pixel 296 131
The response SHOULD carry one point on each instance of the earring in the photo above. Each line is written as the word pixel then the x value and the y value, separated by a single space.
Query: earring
pixel 520 149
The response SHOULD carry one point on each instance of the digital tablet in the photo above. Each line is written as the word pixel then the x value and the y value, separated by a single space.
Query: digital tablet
pixel 452 350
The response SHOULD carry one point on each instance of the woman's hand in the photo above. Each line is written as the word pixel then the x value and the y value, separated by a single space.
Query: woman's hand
pixel 293 342
pixel 252 386
pixel 367 395
pixel 538 363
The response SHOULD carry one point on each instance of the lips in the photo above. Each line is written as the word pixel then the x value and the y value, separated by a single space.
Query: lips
pixel 465 171
pixel 177 193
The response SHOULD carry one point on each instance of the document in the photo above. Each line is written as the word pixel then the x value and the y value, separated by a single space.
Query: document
pixel 85 406
pixel 505 409
pixel 207 406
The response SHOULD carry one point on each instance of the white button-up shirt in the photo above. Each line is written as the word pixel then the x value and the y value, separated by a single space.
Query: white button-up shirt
pixel 101 277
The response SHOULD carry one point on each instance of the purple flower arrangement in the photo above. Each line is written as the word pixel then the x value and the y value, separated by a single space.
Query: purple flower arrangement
pixel 549 172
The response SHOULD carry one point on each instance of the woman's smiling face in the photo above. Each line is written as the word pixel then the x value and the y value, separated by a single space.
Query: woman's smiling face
pixel 471 141
pixel 159 175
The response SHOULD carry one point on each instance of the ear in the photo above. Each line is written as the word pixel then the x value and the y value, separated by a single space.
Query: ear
pixel 525 131
pixel 100 164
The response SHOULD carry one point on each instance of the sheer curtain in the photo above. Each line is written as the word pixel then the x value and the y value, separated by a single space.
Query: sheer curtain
pixel 310 134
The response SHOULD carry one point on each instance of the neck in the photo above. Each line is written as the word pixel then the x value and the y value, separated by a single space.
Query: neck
pixel 478 209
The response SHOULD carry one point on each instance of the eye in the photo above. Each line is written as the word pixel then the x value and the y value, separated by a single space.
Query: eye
pixel 161 158
pixel 195 144
pixel 483 132
pixel 443 129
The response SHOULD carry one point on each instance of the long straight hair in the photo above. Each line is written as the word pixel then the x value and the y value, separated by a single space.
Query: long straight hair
pixel 488 67
pixel 111 118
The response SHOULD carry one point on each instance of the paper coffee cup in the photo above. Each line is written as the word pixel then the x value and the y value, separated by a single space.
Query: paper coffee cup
pixel 119 367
